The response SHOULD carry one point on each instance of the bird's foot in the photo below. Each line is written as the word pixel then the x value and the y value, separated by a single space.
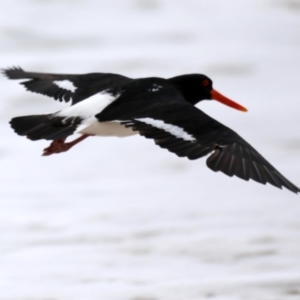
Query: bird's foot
pixel 59 146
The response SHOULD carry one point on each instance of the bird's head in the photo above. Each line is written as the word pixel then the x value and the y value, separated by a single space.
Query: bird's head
pixel 198 87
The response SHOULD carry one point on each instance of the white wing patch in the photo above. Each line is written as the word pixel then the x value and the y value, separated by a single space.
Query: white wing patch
pixel 172 129
pixel 87 109
pixel 66 85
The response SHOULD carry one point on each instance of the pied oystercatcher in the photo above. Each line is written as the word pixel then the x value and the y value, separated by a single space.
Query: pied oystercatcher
pixel 107 104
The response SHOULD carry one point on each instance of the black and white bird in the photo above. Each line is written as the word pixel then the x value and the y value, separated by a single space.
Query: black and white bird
pixel 107 104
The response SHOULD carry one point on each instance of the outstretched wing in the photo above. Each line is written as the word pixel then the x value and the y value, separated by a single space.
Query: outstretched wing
pixel 66 87
pixel 186 131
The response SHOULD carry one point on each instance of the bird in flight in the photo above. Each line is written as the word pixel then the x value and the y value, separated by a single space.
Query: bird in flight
pixel 106 104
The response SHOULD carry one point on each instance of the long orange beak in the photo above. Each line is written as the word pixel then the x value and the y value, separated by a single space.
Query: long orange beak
pixel 219 97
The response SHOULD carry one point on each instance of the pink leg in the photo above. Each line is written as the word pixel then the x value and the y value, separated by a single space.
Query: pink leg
pixel 58 146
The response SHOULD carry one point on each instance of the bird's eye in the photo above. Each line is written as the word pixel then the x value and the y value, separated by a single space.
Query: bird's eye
pixel 205 82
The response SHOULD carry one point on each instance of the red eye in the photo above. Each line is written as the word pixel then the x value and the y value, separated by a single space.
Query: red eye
pixel 205 82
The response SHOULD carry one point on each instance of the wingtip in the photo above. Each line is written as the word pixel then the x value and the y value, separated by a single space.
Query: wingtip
pixel 251 166
pixel 296 190
pixel 4 71
pixel 13 72
pixel 287 184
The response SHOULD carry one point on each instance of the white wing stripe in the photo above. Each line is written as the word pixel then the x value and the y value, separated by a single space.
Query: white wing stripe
pixel 66 85
pixel 172 129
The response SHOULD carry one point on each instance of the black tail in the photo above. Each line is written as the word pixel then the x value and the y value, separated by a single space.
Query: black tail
pixel 48 127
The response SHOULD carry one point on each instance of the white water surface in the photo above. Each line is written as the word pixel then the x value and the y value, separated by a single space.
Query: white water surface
pixel 122 218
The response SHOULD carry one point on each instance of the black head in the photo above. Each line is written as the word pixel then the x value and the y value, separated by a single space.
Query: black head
pixel 198 87
pixel 194 87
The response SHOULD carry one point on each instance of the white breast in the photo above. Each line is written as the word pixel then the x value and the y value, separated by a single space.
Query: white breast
pixel 107 129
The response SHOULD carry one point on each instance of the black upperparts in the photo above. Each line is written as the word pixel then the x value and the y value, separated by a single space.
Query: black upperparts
pixel 77 87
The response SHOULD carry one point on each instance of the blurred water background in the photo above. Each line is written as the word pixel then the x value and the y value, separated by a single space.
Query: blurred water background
pixel 121 218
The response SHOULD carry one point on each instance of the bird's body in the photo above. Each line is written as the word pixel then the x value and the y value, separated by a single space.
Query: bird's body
pixel 160 109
